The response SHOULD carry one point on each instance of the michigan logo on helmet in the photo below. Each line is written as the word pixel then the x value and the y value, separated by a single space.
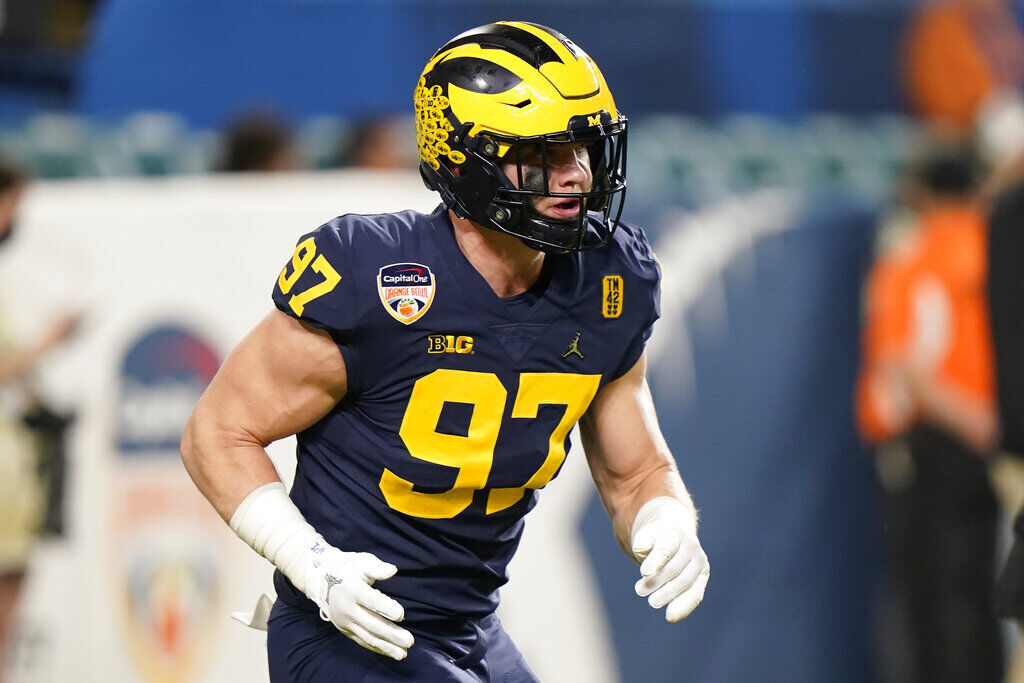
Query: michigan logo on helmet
pixel 505 94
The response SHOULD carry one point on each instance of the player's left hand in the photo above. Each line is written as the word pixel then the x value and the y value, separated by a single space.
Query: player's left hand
pixel 674 567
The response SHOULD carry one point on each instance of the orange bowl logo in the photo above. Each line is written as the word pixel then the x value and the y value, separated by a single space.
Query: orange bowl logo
pixel 406 290
pixel 406 307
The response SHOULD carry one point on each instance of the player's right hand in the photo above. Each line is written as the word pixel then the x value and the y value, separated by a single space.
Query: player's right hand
pixel 341 583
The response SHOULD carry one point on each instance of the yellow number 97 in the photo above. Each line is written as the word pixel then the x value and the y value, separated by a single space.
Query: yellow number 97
pixel 305 254
pixel 471 454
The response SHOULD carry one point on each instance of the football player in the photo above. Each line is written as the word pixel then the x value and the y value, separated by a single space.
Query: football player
pixel 432 367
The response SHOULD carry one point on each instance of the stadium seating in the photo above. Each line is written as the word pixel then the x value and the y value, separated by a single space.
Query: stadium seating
pixel 678 160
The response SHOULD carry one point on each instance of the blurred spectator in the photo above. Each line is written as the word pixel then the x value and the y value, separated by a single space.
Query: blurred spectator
pixel 379 143
pixel 926 392
pixel 25 24
pixel 959 54
pixel 965 71
pixel 1006 297
pixel 45 23
pixel 259 142
pixel 22 494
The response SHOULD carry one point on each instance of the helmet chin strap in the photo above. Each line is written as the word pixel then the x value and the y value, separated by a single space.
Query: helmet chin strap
pixel 569 227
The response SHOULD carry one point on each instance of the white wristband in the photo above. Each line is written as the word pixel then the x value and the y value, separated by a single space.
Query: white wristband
pixel 664 505
pixel 272 526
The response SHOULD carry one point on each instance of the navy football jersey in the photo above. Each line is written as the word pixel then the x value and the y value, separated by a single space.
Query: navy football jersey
pixel 459 403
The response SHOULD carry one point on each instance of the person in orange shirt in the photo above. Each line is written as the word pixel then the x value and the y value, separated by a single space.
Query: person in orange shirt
pixel 927 347
pixel 927 381
pixel 959 55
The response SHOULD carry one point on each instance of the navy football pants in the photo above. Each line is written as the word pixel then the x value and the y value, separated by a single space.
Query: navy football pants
pixel 303 648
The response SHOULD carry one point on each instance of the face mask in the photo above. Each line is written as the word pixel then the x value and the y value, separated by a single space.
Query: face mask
pixel 6 235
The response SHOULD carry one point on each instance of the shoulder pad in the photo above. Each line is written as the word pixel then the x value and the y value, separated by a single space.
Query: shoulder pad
pixel 630 247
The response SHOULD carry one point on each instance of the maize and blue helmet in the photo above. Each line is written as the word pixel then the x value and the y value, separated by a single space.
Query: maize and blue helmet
pixel 497 90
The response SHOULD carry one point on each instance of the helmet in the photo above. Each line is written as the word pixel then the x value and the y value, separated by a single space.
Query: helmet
pixel 491 92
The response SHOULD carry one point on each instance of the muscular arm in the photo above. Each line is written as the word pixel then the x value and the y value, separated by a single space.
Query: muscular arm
pixel 627 454
pixel 281 378
pixel 652 515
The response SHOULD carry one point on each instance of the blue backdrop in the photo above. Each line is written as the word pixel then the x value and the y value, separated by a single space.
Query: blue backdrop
pixel 207 59
pixel 769 451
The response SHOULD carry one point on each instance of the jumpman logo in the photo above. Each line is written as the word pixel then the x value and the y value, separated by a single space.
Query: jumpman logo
pixel 574 346
pixel 331 583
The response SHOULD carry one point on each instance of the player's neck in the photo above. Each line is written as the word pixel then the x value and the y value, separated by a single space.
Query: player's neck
pixel 509 266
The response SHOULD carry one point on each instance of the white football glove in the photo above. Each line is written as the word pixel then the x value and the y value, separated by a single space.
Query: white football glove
pixel 674 568
pixel 340 583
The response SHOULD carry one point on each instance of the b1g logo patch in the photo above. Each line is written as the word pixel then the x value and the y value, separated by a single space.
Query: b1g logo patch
pixel 406 290
pixel 449 343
